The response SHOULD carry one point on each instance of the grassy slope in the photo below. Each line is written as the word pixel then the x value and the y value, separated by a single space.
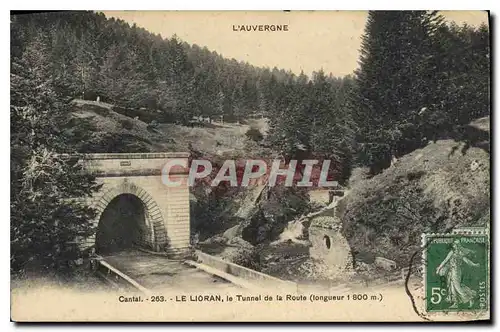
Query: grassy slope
pixel 226 140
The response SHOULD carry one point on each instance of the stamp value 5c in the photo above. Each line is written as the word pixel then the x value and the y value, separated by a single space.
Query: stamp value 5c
pixel 456 273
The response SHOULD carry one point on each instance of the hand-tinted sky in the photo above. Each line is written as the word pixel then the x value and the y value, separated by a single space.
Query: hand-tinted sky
pixel 315 40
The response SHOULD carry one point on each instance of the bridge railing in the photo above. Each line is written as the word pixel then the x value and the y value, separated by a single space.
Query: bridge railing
pixel 260 278
pixel 114 276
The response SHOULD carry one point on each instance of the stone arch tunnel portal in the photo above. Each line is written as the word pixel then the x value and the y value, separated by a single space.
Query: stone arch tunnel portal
pixel 134 206
pixel 122 225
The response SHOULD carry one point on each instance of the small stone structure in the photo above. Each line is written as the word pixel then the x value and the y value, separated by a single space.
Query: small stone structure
pixel 325 196
pixel 328 245
pixel 320 196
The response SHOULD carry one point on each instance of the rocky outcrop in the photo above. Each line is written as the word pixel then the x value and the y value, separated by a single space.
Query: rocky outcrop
pixel 444 185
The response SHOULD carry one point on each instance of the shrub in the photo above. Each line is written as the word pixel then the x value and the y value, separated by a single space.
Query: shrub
pixel 254 134
pixel 153 125
pixel 127 124
pixel 249 259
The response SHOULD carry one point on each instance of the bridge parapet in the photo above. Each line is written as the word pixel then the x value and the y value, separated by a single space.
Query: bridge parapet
pixel 131 164
pixel 152 155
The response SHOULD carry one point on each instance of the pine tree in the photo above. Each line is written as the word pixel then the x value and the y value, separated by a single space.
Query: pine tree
pixel 220 102
pixel 393 83
pixel 332 132
pixel 85 69
pixel 180 78
pixel 47 210
pixel 461 75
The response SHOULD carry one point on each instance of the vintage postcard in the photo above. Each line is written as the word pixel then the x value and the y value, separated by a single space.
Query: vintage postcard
pixel 250 166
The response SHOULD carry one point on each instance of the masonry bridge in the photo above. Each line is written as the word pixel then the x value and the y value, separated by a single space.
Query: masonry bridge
pixel 143 228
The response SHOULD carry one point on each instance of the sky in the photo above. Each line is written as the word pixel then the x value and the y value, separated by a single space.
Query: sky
pixel 327 40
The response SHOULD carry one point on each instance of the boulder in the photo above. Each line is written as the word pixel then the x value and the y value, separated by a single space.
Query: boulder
pixel 239 242
pixel 230 233
pixel 385 263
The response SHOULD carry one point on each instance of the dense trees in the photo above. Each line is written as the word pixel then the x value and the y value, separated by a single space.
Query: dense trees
pixel 311 120
pixel 418 78
pixel 126 65
pixel 47 212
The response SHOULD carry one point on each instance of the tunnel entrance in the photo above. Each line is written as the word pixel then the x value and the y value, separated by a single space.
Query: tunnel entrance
pixel 122 225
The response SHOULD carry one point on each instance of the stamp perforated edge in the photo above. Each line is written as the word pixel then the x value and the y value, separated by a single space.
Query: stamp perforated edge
pixel 483 231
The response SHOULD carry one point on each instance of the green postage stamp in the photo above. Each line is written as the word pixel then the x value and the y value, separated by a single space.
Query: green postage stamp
pixel 456 271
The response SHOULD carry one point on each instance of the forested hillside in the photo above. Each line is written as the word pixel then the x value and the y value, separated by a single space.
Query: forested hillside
pixel 419 79
pixel 90 56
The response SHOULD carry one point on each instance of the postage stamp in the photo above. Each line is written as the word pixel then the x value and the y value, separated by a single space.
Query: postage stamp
pixel 456 271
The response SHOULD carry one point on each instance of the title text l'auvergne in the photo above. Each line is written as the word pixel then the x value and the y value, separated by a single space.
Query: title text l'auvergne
pixel 260 27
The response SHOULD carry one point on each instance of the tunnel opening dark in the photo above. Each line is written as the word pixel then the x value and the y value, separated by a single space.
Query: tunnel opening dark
pixel 328 242
pixel 120 224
